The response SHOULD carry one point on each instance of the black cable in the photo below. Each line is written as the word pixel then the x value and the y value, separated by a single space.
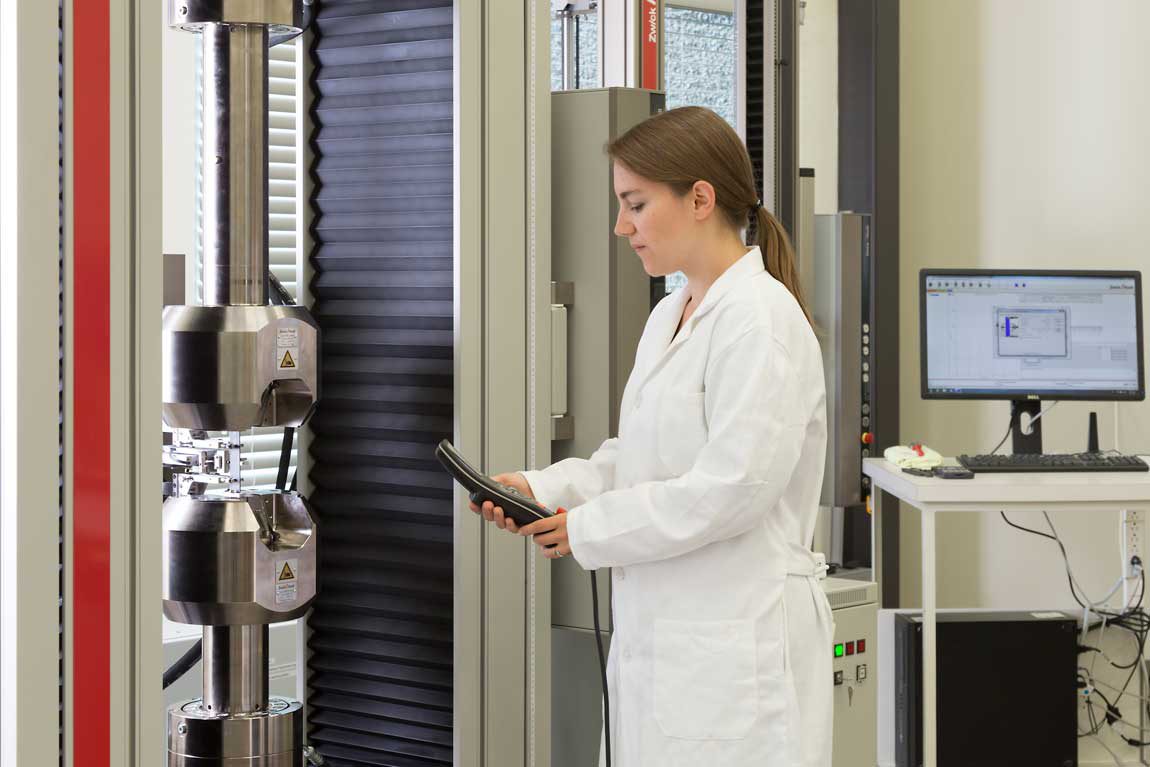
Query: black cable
pixel 1135 611
pixel 285 458
pixel 1073 591
pixel 1026 529
pixel 279 295
pixel 184 664
pixel 1095 727
pixel 1137 622
pixel 1017 416
pixel 1132 618
pixel 1009 428
pixel 1140 634
pixel 1132 664
pixel 1112 713
pixel 1066 561
pixel 602 667
pixel 1113 716
pixel 1137 606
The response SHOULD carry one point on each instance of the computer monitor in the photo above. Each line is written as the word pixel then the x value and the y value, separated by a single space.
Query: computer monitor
pixel 1024 335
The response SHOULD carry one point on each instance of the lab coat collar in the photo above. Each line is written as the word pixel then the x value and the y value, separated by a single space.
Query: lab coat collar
pixel 670 320
pixel 745 268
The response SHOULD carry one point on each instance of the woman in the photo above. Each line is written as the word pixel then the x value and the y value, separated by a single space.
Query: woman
pixel 704 506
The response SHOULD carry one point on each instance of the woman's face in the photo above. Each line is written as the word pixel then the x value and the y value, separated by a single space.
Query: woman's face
pixel 658 223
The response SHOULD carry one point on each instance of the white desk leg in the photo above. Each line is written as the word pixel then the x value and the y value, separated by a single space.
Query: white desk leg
pixel 929 686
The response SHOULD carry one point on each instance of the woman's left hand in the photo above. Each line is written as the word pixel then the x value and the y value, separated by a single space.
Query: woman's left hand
pixel 550 535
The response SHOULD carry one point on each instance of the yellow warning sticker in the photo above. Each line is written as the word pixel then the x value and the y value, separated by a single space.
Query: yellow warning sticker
pixel 287 583
pixel 287 362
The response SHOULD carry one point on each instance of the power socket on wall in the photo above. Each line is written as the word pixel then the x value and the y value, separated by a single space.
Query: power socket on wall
pixel 1131 544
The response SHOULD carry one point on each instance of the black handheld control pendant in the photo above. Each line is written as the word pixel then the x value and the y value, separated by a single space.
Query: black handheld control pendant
pixel 483 488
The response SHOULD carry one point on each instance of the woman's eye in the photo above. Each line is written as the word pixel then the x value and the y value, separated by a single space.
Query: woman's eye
pixel 637 208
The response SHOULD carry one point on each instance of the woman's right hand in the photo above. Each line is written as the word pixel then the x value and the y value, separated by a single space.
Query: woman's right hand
pixel 493 513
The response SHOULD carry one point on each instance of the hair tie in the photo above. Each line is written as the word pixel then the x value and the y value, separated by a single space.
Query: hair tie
pixel 757 206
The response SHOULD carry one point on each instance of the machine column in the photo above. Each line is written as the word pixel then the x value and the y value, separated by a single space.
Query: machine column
pixel 235 164
pixel 236 669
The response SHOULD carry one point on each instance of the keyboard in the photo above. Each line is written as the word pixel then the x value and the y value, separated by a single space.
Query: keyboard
pixel 1054 462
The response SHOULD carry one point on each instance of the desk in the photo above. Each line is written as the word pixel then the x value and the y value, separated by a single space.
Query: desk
pixel 990 493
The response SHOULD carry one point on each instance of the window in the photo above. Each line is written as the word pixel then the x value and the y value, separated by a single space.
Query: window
pixel 700 58
pixel 283 155
pixel 262 446
pixel 586 31
pixel 700 67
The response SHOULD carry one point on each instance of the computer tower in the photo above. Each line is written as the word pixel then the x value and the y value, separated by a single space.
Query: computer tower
pixel 1007 689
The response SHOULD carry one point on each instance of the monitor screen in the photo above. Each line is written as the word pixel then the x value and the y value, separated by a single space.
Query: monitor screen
pixel 1024 335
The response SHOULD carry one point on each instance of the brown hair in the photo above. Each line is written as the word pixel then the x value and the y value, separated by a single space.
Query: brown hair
pixel 690 144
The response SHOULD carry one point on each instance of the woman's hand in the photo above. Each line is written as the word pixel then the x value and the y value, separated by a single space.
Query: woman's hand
pixel 550 535
pixel 493 513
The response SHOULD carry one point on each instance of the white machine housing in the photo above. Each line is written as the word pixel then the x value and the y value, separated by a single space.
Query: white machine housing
pixel 854 605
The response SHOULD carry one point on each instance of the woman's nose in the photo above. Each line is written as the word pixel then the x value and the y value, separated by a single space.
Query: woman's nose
pixel 623 227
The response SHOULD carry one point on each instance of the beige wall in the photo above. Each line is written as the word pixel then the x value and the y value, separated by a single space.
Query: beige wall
pixel 819 100
pixel 1024 143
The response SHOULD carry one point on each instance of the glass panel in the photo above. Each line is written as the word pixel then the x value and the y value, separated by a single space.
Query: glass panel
pixel 701 60
pixel 586 51
pixel 261 447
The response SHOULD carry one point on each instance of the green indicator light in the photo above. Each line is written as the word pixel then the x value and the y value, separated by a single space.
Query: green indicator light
pixel 838 651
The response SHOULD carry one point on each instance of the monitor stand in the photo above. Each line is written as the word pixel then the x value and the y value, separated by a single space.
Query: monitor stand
pixel 1025 443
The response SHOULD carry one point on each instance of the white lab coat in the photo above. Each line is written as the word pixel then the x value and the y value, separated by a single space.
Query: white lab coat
pixel 705 506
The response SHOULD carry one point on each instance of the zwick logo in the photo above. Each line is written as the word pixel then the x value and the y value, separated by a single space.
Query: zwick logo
pixel 652 21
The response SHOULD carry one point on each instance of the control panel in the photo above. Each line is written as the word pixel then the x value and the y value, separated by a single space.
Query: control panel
pixel 844 651
pixel 866 414
pixel 842 302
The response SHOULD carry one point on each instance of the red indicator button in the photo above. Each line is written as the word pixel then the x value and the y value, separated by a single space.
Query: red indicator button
pixel 850 648
pixel 861 645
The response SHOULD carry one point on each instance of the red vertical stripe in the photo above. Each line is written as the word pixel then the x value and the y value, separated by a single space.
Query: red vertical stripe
pixel 91 337
pixel 650 49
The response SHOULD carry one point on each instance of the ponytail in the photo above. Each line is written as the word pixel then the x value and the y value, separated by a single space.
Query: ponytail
pixel 779 256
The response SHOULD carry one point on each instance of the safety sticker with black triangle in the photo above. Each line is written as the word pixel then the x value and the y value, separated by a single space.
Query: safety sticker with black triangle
pixel 287 361
pixel 286 573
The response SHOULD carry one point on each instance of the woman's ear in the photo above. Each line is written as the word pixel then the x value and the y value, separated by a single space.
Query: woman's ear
pixel 703 199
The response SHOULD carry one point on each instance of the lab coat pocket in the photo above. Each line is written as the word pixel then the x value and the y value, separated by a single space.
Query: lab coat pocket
pixel 706 684
pixel 680 429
